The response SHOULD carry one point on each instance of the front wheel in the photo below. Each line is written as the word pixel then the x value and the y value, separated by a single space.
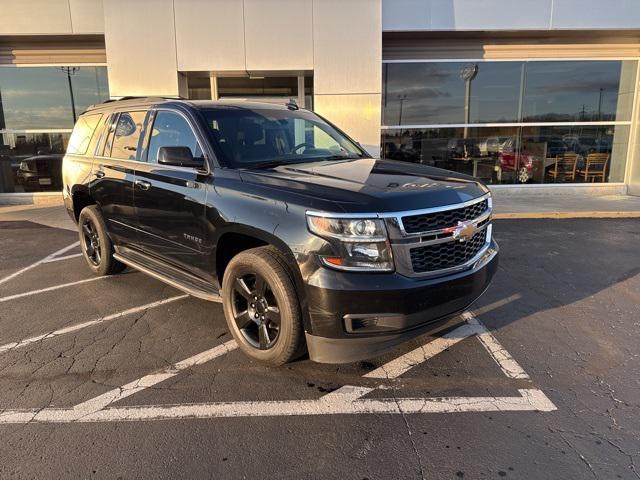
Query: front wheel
pixel 261 306
pixel 96 245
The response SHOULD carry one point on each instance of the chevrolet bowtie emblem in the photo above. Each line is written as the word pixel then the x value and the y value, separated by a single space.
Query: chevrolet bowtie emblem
pixel 463 231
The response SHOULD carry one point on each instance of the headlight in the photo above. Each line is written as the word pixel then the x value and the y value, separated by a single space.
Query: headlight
pixel 360 243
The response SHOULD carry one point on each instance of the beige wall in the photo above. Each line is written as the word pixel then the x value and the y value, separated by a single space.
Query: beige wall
pixel 141 48
pixel 339 40
pixel 347 51
pixel 50 17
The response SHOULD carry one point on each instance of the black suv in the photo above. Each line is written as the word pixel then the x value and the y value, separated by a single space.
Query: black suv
pixel 309 243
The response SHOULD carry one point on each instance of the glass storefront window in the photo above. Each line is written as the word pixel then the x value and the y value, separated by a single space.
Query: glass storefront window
pixel 516 154
pixel 546 117
pixel 574 92
pixel 41 98
pixel 37 110
pixel 31 162
pixel 434 93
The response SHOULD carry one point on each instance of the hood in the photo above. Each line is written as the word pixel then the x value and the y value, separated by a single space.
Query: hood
pixel 370 185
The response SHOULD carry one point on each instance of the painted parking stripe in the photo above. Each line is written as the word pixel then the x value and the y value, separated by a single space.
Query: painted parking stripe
pixel 346 400
pixel 500 355
pixel 403 364
pixel 66 257
pixel 49 289
pixel 528 400
pixel 102 401
pixel 80 326
pixel 39 262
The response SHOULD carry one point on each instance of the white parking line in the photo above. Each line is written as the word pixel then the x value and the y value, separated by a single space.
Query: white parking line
pixel 39 262
pixel 80 326
pixel 528 400
pixel 49 289
pixel 505 361
pixel 102 401
pixel 346 400
pixel 402 364
pixel 66 257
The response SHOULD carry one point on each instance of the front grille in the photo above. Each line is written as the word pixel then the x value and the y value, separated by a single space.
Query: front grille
pixel 446 255
pixel 448 218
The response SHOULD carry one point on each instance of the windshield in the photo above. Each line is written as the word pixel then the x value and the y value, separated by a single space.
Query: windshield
pixel 264 137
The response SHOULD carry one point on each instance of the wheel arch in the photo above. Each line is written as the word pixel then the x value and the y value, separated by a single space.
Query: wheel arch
pixel 81 197
pixel 238 238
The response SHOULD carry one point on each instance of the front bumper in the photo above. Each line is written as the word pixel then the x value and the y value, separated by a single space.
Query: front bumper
pixel 359 316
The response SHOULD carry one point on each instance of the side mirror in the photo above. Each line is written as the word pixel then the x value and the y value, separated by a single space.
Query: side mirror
pixel 179 157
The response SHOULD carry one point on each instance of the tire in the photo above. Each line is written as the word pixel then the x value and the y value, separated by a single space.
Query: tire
pixel 261 306
pixel 99 252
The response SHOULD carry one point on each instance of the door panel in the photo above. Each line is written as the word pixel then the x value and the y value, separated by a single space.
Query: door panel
pixel 170 200
pixel 112 189
pixel 170 209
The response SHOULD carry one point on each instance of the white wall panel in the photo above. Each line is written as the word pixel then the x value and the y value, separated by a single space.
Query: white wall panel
pixel 278 34
pixel 357 115
pixel 406 15
pixel 141 50
pixel 87 16
pixel 209 34
pixel 34 17
pixel 347 46
pixel 596 14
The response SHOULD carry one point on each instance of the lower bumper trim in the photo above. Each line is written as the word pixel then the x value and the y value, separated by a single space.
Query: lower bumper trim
pixel 354 349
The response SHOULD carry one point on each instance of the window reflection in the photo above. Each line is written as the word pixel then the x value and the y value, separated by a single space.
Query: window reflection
pixel 31 162
pixel 434 93
pixel 574 91
pixel 40 97
pixel 517 155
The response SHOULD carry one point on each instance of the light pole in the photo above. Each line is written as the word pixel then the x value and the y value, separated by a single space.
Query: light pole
pixel 402 97
pixel 600 103
pixel 71 71
pixel 467 73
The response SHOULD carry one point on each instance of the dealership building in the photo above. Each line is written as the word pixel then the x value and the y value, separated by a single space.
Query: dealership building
pixel 538 95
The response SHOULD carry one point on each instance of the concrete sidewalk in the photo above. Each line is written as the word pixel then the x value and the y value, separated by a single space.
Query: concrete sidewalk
pixel 506 205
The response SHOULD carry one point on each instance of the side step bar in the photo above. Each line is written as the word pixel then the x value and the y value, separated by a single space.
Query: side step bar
pixel 168 274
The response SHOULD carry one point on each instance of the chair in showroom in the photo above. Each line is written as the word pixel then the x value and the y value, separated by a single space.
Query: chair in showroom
pixel 595 167
pixel 564 167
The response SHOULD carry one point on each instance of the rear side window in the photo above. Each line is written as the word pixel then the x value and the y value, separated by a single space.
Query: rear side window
pixel 82 133
pixel 126 135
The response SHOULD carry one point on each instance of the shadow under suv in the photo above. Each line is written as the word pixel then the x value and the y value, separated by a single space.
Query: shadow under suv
pixel 309 243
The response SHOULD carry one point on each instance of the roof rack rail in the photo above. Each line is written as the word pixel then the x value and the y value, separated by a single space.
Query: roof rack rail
pixel 133 97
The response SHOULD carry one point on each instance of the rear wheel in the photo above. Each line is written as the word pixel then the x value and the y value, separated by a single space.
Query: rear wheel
pixel 261 306
pixel 96 245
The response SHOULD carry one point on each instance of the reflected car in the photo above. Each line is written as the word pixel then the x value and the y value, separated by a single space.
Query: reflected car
pixel 521 163
pixel 41 172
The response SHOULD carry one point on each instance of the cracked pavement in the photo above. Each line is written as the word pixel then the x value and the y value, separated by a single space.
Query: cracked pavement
pixel 565 305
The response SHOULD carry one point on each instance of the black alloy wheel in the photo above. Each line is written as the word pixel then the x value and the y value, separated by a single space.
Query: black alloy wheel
pixel 95 243
pixel 261 306
pixel 91 242
pixel 256 311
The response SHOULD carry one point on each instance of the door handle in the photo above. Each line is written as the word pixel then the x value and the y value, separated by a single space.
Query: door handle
pixel 142 184
pixel 99 174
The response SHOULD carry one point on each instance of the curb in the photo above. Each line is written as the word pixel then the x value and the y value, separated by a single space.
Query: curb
pixel 565 215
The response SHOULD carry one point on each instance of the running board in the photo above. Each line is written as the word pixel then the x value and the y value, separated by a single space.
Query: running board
pixel 168 274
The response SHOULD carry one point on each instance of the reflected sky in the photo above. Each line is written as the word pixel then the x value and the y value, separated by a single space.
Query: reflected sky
pixel 39 97
pixel 434 93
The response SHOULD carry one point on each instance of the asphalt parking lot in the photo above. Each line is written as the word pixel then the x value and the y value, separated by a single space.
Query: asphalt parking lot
pixel 124 377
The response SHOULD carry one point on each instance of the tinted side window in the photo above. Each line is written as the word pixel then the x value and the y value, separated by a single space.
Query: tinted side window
pixel 82 134
pixel 127 134
pixel 171 130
